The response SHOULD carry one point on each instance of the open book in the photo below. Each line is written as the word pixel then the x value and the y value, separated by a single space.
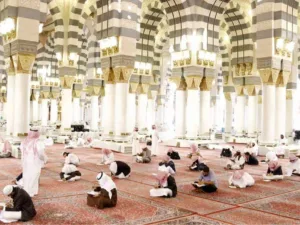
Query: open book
pixel 198 185
pixel 93 193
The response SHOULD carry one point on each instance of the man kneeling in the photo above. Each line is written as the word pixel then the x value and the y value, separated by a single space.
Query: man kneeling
pixel 240 179
pixel 207 181
pixel 105 195
pixel 22 208
pixel 166 185
pixel 70 173
pixel 144 156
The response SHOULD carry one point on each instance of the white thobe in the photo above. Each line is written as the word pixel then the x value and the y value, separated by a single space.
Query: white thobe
pixel 159 192
pixel 72 159
pixel 271 156
pixel 80 142
pixel 32 164
pixel 293 167
pixel 154 147
pixel 245 181
pixel 236 165
pixel 48 142
pixel 108 159
pixel 135 143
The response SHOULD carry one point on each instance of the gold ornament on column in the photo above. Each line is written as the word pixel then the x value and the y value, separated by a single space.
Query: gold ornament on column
pixel 252 90
pixel 193 82
pixel 25 63
pixel 66 82
pixel 259 99
pixel 133 87
pixel 239 90
pixel 54 95
pixel 283 78
pixel 9 64
pixel 122 74
pixel 227 96
pixel 94 90
pixel 76 93
pixel 249 68
pixel 206 83
pixel 289 94
pixel 45 95
pixel 269 75
pixel 109 76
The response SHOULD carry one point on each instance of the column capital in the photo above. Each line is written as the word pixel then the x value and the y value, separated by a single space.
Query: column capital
pixel 96 90
pixel 180 82
pixel 206 83
pixel 76 93
pixel 66 82
pixel 23 63
pixel 269 75
pixel 109 76
pixel 252 90
pixel 193 82
pixel 133 87
pixel 227 96
pixel 289 94
pixel 283 78
pixel 45 94
pixel 122 74
pixel 239 90
pixel 54 95
pixel 9 64
pixel 259 99
pixel 142 88
pixel 152 94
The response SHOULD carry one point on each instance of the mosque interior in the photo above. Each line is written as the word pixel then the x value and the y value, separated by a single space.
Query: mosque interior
pixel 210 72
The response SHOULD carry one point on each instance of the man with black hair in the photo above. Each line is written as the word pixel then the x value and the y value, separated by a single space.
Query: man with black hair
pixel 207 181
pixel 251 159
pixel 22 208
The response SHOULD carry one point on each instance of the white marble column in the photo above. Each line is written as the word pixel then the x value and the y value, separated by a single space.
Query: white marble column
pixel 76 109
pixel 252 115
pixel 10 104
pixel 121 108
pixel 35 109
pixel 108 111
pixel 289 113
pixel 229 111
pixel 45 112
pixel 180 111
pixel 192 113
pixel 66 109
pixel 280 111
pixel 268 113
pixel 53 111
pixel 205 115
pixel 22 104
pixel 82 105
pixel 150 113
pixel 94 113
pixel 4 112
pixel 239 123
pixel 131 116
pixel 142 111
pixel 259 113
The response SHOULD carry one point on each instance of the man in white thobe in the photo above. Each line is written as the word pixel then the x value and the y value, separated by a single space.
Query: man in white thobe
pixel 33 159
pixel 135 142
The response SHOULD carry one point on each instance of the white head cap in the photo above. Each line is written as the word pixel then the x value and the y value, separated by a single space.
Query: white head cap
pixel 8 189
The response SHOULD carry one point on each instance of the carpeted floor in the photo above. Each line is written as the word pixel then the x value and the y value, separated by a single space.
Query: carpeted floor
pixel 65 203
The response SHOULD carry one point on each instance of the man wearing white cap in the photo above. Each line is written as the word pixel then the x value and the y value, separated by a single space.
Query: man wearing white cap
pixel 22 208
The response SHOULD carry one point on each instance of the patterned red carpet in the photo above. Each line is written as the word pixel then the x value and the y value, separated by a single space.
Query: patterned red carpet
pixel 65 203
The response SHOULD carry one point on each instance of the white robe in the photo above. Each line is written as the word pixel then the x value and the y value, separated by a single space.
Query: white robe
pixel 271 156
pixel 135 143
pixel 72 159
pixel 159 192
pixel 49 142
pixel 236 165
pixel 245 181
pixel 293 167
pixel 80 142
pixel 32 165
pixel 154 147
pixel 107 159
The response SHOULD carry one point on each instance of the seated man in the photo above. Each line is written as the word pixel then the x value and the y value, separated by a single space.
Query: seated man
pixel 144 156
pixel 80 142
pixel 107 157
pixel 71 158
pixel 49 141
pixel 70 143
pixel 197 165
pixel 22 208
pixel 252 149
pixel 280 149
pixel 70 173
pixel 227 152
pixel 240 179
pixel 168 163
pixel 207 181
pixel 173 154
pixel 166 185
pixel 194 151
pixel 237 162
pixel 104 195
pixel 6 152
pixel 120 169
pixel 274 172
pixel 294 166
pixel 270 156
pixel 251 159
